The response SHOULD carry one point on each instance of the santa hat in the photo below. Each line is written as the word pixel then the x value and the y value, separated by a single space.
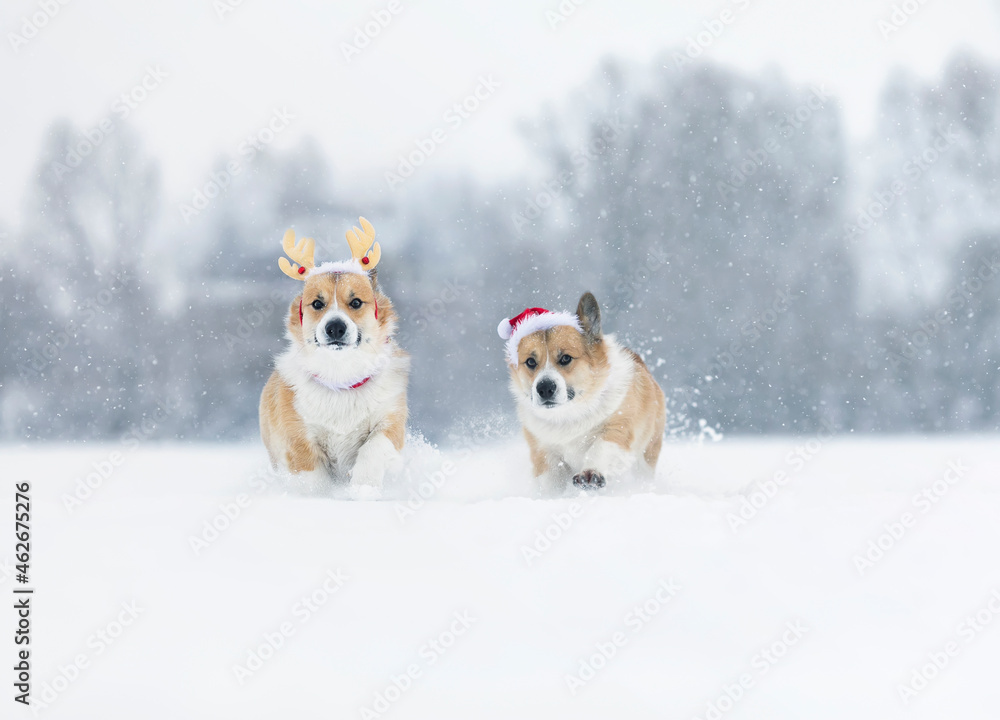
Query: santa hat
pixel 531 321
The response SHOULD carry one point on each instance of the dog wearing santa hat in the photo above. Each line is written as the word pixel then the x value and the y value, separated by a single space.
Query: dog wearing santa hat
pixel 590 409
pixel 335 405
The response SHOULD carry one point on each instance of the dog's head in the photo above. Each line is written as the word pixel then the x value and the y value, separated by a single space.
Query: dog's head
pixel 562 365
pixel 341 324
pixel 338 312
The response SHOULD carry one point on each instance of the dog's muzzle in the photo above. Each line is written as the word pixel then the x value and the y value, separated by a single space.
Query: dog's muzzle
pixel 338 332
pixel 551 391
pixel 546 390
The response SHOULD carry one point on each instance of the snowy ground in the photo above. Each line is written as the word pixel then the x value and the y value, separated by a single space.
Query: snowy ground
pixel 446 603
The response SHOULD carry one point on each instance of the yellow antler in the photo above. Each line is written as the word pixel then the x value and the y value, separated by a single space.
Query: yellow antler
pixel 301 252
pixel 360 241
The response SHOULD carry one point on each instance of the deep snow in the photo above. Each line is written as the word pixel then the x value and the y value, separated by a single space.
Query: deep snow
pixel 455 572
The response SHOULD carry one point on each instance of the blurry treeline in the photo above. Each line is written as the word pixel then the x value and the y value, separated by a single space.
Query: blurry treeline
pixel 773 275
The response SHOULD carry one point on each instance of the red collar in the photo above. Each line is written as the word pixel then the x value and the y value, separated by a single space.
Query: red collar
pixel 338 388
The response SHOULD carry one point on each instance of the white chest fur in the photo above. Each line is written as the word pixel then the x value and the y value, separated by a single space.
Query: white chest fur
pixel 341 421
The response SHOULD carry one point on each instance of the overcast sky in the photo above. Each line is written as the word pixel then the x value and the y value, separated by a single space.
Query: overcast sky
pixel 226 75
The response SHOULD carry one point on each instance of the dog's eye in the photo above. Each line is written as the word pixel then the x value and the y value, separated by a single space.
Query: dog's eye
pixel 356 303
pixel 565 360
pixel 317 304
pixel 531 363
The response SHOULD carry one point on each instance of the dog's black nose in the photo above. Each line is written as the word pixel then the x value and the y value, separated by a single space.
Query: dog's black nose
pixel 546 389
pixel 336 329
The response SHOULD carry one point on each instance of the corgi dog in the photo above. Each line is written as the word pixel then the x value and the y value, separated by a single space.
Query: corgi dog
pixel 590 409
pixel 335 405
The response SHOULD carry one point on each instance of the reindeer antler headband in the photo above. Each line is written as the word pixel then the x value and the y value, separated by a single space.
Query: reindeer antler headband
pixel 365 254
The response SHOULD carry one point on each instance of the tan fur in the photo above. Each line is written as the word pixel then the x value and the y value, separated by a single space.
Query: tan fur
pixel 282 429
pixel 395 427
pixel 642 417
pixel 539 458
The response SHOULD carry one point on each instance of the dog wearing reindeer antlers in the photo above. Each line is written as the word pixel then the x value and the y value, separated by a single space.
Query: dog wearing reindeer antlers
pixel 335 405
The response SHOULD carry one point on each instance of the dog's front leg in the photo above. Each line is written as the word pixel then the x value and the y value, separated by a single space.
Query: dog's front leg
pixel 605 459
pixel 375 457
pixel 379 454
pixel 551 472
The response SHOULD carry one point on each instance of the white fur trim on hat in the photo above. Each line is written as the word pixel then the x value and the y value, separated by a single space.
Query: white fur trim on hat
pixel 533 324
pixel 344 266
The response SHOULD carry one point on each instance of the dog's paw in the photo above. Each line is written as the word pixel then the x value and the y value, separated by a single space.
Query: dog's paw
pixel 589 480
pixel 552 484
pixel 362 492
pixel 366 481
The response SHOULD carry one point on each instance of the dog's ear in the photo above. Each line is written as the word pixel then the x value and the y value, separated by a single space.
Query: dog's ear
pixel 295 317
pixel 589 314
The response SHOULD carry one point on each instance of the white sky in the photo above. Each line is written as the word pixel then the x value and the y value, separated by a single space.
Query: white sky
pixel 226 76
